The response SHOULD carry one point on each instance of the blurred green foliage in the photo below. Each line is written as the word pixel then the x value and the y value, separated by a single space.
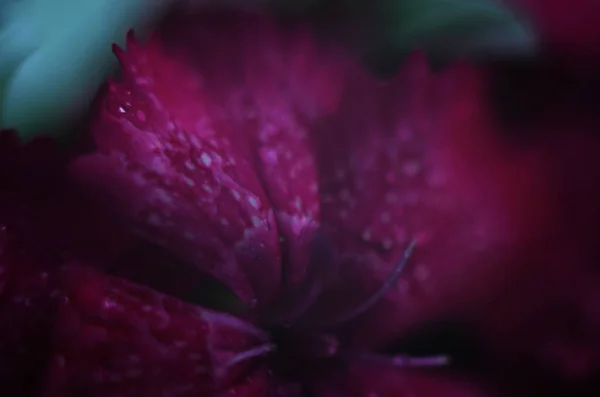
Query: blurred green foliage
pixel 383 32
pixel 448 29
pixel 54 54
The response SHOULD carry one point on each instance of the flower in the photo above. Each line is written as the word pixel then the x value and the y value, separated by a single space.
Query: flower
pixel 208 180
pixel 343 211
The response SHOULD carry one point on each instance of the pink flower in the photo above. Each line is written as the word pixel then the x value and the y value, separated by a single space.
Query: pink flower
pixel 343 211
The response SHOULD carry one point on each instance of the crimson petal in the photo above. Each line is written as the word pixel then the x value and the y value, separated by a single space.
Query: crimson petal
pixel 202 156
pixel 68 330
pixel 167 156
pixel 116 338
pixel 420 158
pixel 274 82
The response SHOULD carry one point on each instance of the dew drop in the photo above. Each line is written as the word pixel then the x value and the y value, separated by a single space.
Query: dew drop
pixel 124 107
pixel 206 160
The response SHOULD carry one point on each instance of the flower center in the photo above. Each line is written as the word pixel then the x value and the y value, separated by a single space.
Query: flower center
pixel 295 346
pixel 294 351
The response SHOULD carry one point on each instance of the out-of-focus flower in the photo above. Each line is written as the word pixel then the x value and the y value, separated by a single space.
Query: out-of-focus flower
pixel 550 318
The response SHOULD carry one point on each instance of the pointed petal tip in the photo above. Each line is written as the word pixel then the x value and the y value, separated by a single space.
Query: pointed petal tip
pixel 130 38
pixel 120 53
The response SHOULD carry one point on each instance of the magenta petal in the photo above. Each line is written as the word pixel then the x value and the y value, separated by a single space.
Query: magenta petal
pixel 248 56
pixel 262 382
pixel 418 158
pixel 40 203
pixel 213 160
pixel 68 330
pixel 169 159
pixel 274 82
pixel 115 338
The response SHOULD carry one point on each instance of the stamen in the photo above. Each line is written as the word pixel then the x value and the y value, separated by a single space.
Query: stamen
pixel 259 351
pixel 321 260
pixel 229 321
pixel 310 297
pixel 376 297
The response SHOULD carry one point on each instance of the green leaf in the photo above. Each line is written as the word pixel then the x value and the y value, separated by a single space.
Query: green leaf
pixel 448 29
pixel 55 54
